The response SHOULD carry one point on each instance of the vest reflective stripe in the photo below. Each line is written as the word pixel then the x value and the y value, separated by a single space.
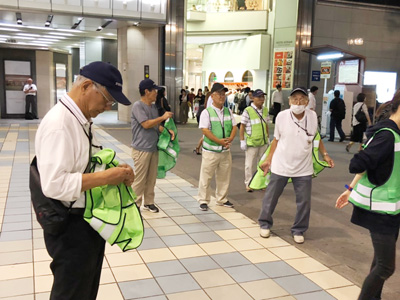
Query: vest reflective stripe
pixel 316 144
pixel 384 198
pixel 259 136
pixel 217 129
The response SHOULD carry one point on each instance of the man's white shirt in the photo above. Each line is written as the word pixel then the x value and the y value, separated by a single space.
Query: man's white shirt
pixel 28 86
pixel 277 97
pixel 312 103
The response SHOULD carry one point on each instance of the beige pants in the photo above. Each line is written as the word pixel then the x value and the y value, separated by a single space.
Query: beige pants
pixel 253 156
pixel 219 164
pixel 146 164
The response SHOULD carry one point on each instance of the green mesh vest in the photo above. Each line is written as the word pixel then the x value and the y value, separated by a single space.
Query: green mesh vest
pixel 220 128
pixel 259 136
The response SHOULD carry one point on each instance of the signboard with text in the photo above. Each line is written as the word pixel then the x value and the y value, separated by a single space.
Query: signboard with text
pixel 283 67
pixel 316 76
pixel 326 68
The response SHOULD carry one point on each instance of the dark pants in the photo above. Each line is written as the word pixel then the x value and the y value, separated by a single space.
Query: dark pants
pixel 77 260
pixel 277 109
pixel 338 124
pixel 30 101
pixel 302 189
pixel 383 265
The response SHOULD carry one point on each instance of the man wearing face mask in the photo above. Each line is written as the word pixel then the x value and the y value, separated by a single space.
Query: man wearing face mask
pixel 290 156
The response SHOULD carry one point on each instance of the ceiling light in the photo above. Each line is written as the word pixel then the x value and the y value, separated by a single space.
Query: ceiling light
pixel 110 34
pixel 48 40
pixel 59 33
pixel 4 36
pixel 19 18
pixel 68 30
pixel 37 27
pixel 28 34
pixel 99 28
pixel 76 24
pixel 48 21
pixel 9 29
pixel 54 37
pixel 136 23
pixel 24 38
pixel 329 56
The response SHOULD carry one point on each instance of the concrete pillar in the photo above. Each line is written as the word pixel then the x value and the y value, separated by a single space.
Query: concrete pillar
pixel 45 81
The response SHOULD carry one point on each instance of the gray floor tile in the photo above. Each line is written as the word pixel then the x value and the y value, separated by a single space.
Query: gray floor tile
pixel 140 288
pixel 190 204
pixel 18 204
pixel 16 226
pixel 17 199
pixel 196 227
pixel 205 237
pixel 230 259
pixel 17 211
pixel 165 268
pixel 10 258
pixel 196 211
pixel 177 212
pixel 177 283
pixel 322 295
pixel 151 243
pixel 17 218
pixel 277 269
pixel 16 235
pixel 185 199
pixel 220 225
pixel 177 240
pixel 177 194
pixel 245 273
pixel 199 264
pixel 210 218
pixel 153 298
pixel 297 284
pixel 149 233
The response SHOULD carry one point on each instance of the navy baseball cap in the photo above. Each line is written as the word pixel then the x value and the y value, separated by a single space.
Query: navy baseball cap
pixel 258 93
pixel 299 89
pixel 148 84
pixel 217 87
pixel 108 76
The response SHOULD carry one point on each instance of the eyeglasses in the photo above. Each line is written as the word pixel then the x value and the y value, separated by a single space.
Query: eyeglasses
pixel 298 100
pixel 108 101
pixel 220 93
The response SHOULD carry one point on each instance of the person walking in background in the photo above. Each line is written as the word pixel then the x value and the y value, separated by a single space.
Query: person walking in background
pixel 184 107
pixel 359 127
pixel 146 128
pixel 30 90
pixel 255 129
pixel 190 97
pixel 199 102
pixel 162 102
pixel 312 103
pixel 338 113
pixel 290 156
pixel 374 193
pixel 63 144
pixel 277 100
pixel 219 128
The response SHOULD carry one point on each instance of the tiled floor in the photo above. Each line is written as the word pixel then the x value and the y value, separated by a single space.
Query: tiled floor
pixel 186 254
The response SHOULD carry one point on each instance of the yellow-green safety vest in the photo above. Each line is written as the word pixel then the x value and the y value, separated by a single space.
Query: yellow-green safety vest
pixel 385 198
pixel 168 149
pixel 220 128
pixel 111 209
pixel 259 181
pixel 259 131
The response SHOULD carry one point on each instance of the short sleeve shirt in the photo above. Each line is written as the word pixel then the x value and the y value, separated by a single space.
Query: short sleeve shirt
pixel 293 154
pixel 144 139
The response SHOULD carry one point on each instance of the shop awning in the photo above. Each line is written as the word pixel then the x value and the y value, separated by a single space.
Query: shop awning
pixel 325 49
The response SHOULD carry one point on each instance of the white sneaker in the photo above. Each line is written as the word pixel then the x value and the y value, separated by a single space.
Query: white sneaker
pixel 298 239
pixel 265 233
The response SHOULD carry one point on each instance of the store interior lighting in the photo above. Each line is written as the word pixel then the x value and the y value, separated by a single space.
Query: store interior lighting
pixel 48 21
pixel 330 56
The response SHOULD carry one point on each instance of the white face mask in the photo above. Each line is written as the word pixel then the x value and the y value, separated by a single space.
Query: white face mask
pixel 297 109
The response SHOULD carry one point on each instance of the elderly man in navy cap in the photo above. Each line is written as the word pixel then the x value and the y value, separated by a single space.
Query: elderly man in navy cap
pixel 146 128
pixel 290 156
pixel 254 137
pixel 63 144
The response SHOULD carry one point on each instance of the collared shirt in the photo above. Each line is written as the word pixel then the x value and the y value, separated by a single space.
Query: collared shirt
pixel 312 103
pixel 205 121
pixel 293 154
pixel 33 90
pixel 62 151
pixel 245 120
pixel 277 97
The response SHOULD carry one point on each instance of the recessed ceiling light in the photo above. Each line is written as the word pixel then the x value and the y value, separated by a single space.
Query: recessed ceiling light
pixel 24 38
pixel 68 30
pixel 60 33
pixel 4 36
pixel 54 37
pixel 48 40
pixel 9 29
pixel 28 34
pixel 111 34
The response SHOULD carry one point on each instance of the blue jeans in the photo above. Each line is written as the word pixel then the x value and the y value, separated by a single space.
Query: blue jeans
pixel 383 265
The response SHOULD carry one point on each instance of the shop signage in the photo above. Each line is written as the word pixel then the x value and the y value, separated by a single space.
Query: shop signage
pixel 326 67
pixel 283 67
pixel 316 76
pixel 146 71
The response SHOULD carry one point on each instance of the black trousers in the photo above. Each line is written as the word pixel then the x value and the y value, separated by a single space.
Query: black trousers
pixel 383 265
pixel 30 101
pixel 77 260
pixel 277 109
pixel 336 123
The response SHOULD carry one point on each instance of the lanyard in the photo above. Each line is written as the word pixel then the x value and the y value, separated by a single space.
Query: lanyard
pixel 298 125
pixel 262 120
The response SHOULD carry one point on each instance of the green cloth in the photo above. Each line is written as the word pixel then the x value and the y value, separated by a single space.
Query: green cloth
pixel 168 149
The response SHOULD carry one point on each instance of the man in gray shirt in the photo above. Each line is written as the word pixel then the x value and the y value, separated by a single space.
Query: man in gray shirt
pixel 146 127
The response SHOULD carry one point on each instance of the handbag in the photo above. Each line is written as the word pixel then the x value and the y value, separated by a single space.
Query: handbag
pixel 360 115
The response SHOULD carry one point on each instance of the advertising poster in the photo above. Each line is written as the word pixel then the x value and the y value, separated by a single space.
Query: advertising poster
pixel 326 67
pixel 283 67
pixel 348 71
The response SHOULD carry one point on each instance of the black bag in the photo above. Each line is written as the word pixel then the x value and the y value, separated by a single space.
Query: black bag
pixel 271 111
pixel 341 109
pixel 360 115
pixel 242 103
pixel 51 214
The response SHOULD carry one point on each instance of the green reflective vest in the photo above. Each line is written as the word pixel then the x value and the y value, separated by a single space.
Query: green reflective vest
pixel 384 198
pixel 259 131
pixel 259 181
pixel 220 128
pixel 168 149
pixel 111 209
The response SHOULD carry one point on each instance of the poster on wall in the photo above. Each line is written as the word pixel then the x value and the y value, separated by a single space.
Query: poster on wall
pixel 16 74
pixel 348 71
pixel 61 80
pixel 283 67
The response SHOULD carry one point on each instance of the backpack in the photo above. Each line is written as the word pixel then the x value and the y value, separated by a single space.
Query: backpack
pixel 242 102
pixel 360 116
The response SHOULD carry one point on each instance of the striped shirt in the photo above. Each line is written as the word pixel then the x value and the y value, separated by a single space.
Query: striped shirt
pixel 246 118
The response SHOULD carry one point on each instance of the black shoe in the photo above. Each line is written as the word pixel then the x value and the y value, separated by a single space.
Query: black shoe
pixel 330 140
pixel 341 140
pixel 226 204
pixel 204 206
pixel 151 207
